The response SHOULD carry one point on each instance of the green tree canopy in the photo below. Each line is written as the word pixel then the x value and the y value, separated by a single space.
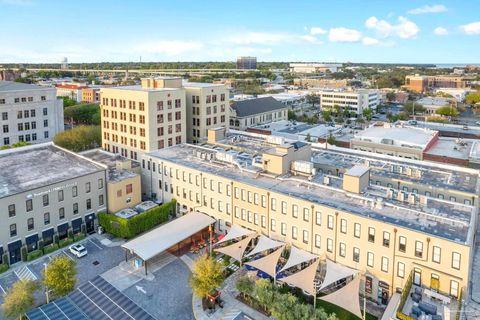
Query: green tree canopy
pixel 447 111
pixel 245 286
pixel 79 138
pixel 264 292
pixel 391 96
pixel 473 98
pixel 292 115
pixel 19 299
pixel 367 113
pixel 327 115
pixel 68 102
pixel 60 276
pixel 409 107
pixel 313 99
pixel 207 275
pixel 87 113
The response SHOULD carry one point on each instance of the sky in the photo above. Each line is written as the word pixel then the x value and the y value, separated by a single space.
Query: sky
pixel 370 31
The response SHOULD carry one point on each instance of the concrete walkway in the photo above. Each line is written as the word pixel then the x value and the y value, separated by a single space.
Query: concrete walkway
pixel 232 306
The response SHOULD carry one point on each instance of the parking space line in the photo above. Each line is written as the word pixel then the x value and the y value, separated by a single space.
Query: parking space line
pixel 96 245
pixel 3 290
pixel 86 296
pixel 65 253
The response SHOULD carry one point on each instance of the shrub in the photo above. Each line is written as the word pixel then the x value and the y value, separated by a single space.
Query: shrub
pixel 5 259
pixel 129 228
pixel 83 229
pixel 3 267
pixel 55 238
pixel 23 253
pixel 50 248
pixel 40 244
pixel 35 254
pixel 65 242
pixel 70 233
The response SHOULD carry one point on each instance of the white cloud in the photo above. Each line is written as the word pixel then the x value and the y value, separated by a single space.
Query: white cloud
pixel 436 8
pixel 404 29
pixel 317 30
pixel 309 38
pixel 344 35
pixel 370 41
pixel 471 28
pixel 168 47
pixel 440 31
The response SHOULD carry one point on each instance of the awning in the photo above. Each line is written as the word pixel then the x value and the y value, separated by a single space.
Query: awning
pixel 304 279
pixel 14 245
pixel 347 297
pixel 48 233
pixel 163 237
pixel 63 227
pixel 268 264
pixel 296 257
pixel 31 239
pixel 263 244
pixel 237 249
pixel 336 272
pixel 236 232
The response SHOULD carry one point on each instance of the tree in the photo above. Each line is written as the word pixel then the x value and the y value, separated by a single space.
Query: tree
pixel 312 99
pixel 410 107
pixel 207 275
pixel 367 113
pixel 17 144
pixel 292 115
pixel 331 140
pixel 447 111
pixel 391 96
pixel 245 286
pixel 283 306
pixel 19 299
pixel 473 98
pixel 86 113
pixel 60 276
pixel 68 102
pixel 264 292
pixel 327 115
pixel 79 138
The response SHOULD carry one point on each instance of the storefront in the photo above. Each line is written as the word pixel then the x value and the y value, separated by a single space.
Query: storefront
pixel 47 236
pixel 62 231
pixel 32 242
pixel 77 225
pixel 90 222
pixel 14 251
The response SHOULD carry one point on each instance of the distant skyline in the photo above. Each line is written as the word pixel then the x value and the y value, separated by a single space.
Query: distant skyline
pixel 443 32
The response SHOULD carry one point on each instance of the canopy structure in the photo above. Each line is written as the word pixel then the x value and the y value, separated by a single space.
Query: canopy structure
pixel 336 272
pixel 296 257
pixel 347 297
pixel 163 237
pixel 236 232
pixel 268 264
pixel 263 244
pixel 304 279
pixel 237 249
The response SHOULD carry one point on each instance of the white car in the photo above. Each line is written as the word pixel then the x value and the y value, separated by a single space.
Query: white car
pixel 78 250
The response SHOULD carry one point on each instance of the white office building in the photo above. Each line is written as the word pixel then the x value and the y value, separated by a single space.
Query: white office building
pixel 356 101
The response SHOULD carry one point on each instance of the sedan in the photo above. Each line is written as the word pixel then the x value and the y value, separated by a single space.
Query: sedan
pixel 78 250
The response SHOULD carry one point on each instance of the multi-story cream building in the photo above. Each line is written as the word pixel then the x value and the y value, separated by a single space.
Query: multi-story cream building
pixel 28 113
pixel 137 119
pixel 207 107
pixel 388 218
pixel 45 191
pixel 356 101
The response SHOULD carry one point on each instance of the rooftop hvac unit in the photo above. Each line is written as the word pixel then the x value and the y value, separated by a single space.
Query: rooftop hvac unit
pixel 393 168
pixel 400 169
pixel 423 200
pixel 412 198
pixel 409 171
pixel 390 193
pixel 418 173
pixel 326 180
pixel 401 196
pixel 379 203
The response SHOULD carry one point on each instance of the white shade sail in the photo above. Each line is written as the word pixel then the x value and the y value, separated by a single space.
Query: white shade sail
pixel 236 231
pixel 304 279
pixel 336 272
pixel 347 297
pixel 237 249
pixel 268 264
pixel 263 244
pixel 297 256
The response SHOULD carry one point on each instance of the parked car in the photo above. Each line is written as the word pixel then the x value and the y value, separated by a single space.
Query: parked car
pixel 78 250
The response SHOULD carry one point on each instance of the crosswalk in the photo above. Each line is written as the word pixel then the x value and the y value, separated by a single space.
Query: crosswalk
pixel 24 274
pixel 231 314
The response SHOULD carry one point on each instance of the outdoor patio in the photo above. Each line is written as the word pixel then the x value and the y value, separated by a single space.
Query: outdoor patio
pixel 425 304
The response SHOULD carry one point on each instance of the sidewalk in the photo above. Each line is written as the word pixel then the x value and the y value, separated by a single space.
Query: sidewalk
pixel 232 306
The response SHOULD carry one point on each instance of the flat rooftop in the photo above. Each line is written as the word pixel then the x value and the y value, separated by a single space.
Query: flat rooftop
pixel 32 167
pixel 188 84
pixel 407 137
pixel 6 86
pixel 452 148
pixel 294 130
pixel 110 160
pixel 438 217
pixel 139 88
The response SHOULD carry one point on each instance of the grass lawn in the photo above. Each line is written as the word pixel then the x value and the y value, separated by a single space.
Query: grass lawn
pixel 340 313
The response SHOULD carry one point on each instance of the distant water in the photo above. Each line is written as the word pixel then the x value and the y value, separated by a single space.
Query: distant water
pixel 454 65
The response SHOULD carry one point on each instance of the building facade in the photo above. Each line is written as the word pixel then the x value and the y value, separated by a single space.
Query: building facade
pixel 28 113
pixel 355 101
pixel 71 90
pixel 252 112
pixel 314 67
pixel 320 83
pixel 91 95
pixel 419 83
pixel 248 63
pixel 388 236
pixel 41 199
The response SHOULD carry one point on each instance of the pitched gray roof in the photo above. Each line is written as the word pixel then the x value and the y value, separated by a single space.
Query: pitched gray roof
pixel 250 107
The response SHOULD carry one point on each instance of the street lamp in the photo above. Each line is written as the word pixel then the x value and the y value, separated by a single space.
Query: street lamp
pixel 46 288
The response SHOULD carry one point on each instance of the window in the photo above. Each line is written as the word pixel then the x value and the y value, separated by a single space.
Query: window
pixel 436 256
pixel 294 211
pixel 456 260
pixel 317 241
pixel 370 258
pixel 318 218
pixel 356 230
pixel 60 195
pixel 129 188
pixel 74 191
pixel 401 269
pixel 356 254
pixel 29 205
pixel 343 226
pixel 75 208
pixel 305 236
pixel 386 239
pixel 384 266
pixel 88 187
pixel 454 288
pixel 100 183
pixel 46 218
pixel 329 245
pixel 371 234
pixel 342 249
pixel 45 200
pixel 45 123
pixel 11 210
pixel 330 221
pixel 30 224
pixel 284 229
pixel 13 230
pixel 306 214
pixel 273 204
pixel 61 213
pixel 100 200
pixel 272 225
pixel 294 233
pixel 402 244
pixel 418 249
pixel 4 115
pixel 284 207
pixel 88 203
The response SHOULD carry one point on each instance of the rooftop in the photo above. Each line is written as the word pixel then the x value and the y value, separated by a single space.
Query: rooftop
pixel 433 101
pixel 139 88
pixel 188 84
pixel 297 130
pixel 110 160
pixel 6 86
pixel 251 107
pixel 434 216
pixel 40 165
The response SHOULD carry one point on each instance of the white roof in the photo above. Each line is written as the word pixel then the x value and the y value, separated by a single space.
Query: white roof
pixel 347 297
pixel 433 101
pixel 268 264
pixel 163 237
pixel 357 171
pixel 336 272
pixel 398 136
pixel 237 249
pixel 296 257
pixel 263 244
pixel 304 279
pixel 236 231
